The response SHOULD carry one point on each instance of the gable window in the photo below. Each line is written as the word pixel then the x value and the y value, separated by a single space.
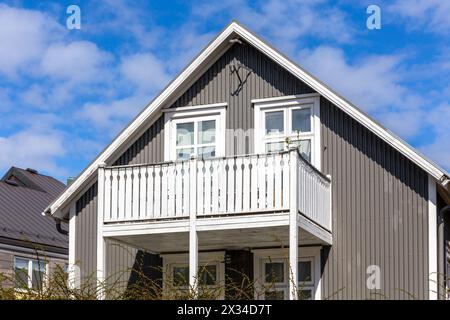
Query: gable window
pixel 195 131
pixel 29 273
pixel 288 121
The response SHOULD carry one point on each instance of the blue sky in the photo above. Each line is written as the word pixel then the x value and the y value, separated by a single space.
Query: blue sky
pixel 64 94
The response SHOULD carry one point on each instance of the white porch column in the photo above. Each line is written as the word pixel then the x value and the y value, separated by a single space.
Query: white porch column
pixel 293 225
pixel 193 238
pixel 101 242
pixel 74 272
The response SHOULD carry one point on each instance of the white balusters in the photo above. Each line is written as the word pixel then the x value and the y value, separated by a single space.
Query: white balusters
pixel 223 186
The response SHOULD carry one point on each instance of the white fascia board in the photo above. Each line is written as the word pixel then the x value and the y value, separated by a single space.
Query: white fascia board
pixel 156 104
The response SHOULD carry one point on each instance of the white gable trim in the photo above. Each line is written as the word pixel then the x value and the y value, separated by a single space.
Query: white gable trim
pixel 169 91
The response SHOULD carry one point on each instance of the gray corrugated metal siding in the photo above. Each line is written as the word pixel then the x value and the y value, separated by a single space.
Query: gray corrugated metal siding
pixel 379 213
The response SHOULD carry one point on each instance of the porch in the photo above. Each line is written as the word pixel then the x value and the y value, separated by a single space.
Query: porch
pixel 252 201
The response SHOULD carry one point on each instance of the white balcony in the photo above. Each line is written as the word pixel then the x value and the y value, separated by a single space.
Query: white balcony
pixel 251 201
pixel 223 194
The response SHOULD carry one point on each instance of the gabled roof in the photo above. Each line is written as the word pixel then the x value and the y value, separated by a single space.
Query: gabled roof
pixel 193 71
pixel 24 194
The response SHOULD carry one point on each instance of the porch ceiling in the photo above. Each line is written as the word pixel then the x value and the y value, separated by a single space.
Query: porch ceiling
pixel 219 239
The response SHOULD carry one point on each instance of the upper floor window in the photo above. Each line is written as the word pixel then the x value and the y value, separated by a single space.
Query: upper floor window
pixel 281 122
pixel 198 131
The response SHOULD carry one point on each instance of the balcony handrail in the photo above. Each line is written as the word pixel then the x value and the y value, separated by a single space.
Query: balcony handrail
pixel 228 185
pixel 304 161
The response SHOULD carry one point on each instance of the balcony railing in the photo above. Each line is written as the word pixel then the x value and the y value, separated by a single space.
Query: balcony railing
pixel 249 184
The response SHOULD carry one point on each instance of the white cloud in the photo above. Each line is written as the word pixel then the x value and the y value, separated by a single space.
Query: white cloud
pixel 76 62
pixel 145 71
pixel 431 14
pixel 439 148
pixel 286 21
pixel 33 148
pixel 112 115
pixel 24 35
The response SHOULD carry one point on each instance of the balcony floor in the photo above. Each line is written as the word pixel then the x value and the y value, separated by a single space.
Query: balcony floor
pixel 219 233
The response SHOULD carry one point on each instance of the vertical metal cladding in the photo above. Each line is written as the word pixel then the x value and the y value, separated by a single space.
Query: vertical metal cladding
pixel 262 79
pixel 86 234
pixel 379 213
pixel 146 149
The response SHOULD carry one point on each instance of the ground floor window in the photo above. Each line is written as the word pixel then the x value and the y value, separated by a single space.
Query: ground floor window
pixel 272 273
pixel 29 273
pixel 276 279
pixel 210 275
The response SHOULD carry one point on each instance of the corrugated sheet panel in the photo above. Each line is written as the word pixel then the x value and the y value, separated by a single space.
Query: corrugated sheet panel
pixel 146 149
pixel 86 234
pixel 21 208
pixel 261 78
pixel 379 213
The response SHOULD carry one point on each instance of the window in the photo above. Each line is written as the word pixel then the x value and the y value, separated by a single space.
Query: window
pixel 289 122
pixel 207 275
pixel 196 138
pixel 198 131
pixel 29 273
pixel 276 279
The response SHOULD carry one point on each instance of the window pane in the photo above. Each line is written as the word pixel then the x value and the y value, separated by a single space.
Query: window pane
pixel 207 131
pixel 275 122
pixel 304 147
pixel 274 272
pixel 304 271
pixel 301 120
pixel 208 275
pixel 180 276
pixel 207 152
pixel 185 134
pixel 185 153
pixel 274 295
pixel 305 294
pixel 274 146
pixel 38 274
pixel 21 273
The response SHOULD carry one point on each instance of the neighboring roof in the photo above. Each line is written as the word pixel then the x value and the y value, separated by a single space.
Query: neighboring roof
pixel 24 194
pixel 191 73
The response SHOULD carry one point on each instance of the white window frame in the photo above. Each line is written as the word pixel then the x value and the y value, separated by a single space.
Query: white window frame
pixel 262 256
pixel 173 116
pixel 30 272
pixel 287 104
pixel 205 259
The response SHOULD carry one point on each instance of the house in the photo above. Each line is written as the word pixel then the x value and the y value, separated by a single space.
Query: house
pixel 247 165
pixel 30 245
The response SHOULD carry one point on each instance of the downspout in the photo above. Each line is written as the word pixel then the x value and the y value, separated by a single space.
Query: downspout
pixel 441 253
pixel 59 228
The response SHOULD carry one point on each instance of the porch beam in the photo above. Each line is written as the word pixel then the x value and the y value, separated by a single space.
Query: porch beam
pixel 193 237
pixel 293 225
pixel 101 242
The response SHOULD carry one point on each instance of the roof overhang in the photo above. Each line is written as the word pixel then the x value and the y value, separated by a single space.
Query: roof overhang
pixel 193 71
